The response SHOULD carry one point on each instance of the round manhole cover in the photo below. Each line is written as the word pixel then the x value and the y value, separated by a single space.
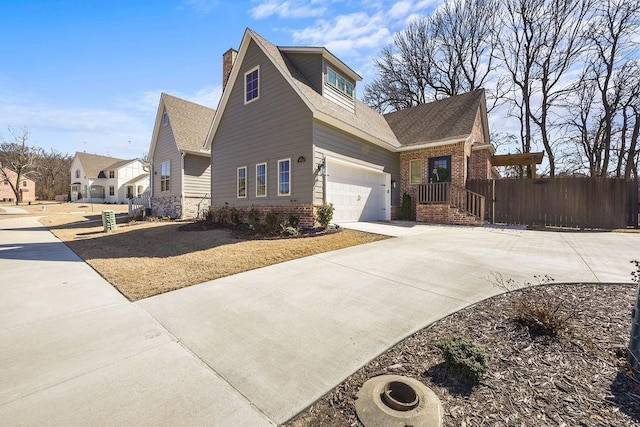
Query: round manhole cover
pixel 394 400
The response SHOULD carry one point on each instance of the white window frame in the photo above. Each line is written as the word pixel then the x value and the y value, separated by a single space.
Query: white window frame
pixel 280 180
pixel 165 180
pixel 347 86
pixel 265 179
pixel 112 190
pixel 77 173
pixel 165 119
pixel 112 174
pixel 254 69
pixel 238 182
pixel 411 162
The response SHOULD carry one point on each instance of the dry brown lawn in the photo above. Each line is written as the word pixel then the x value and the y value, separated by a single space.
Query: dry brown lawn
pixel 142 259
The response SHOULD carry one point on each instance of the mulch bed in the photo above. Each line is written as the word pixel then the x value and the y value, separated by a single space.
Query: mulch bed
pixel 247 233
pixel 579 378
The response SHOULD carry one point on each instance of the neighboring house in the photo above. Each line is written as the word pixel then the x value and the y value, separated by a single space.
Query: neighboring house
pixel 290 134
pixel 102 179
pixel 181 167
pixel 26 189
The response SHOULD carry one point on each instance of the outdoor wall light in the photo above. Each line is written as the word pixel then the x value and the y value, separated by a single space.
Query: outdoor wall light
pixel 322 167
pixel 301 159
pixel 393 183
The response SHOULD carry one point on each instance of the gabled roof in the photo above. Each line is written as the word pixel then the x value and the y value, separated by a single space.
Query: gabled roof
pixel 366 123
pixel 94 163
pixel 190 123
pixel 438 122
pixel 137 178
pixel 446 119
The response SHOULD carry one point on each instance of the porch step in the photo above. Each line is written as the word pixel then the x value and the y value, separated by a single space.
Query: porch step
pixel 443 213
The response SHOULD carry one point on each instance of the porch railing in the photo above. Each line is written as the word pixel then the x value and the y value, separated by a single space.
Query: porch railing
pixel 454 195
pixel 138 204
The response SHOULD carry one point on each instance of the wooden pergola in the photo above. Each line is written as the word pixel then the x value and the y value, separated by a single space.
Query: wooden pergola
pixel 519 159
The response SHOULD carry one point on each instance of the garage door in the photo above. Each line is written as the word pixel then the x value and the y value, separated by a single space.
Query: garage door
pixel 357 194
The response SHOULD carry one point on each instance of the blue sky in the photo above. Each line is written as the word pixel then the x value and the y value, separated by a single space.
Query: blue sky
pixel 86 75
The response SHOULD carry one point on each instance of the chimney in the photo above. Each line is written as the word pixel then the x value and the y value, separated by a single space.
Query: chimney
pixel 228 58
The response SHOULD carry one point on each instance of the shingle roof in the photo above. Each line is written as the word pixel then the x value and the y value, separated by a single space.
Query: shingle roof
pixel 436 121
pixel 189 121
pixel 94 163
pixel 365 119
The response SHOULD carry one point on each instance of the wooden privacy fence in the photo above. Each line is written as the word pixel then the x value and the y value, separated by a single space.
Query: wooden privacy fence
pixel 563 202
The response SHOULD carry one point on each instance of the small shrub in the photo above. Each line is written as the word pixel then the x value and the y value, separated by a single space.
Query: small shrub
pixel 324 214
pixel 294 221
pixel 464 358
pixel 208 216
pixel 254 216
pixel 272 222
pixel 288 230
pixel 635 275
pixel 235 216
pixel 405 207
pixel 542 312
pixel 221 216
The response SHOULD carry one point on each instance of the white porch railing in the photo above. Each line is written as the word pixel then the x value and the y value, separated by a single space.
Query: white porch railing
pixel 138 204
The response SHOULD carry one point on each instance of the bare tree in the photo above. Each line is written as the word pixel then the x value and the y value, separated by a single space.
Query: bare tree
pixel 53 174
pixel 448 53
pixel 18 157
pixel 542 40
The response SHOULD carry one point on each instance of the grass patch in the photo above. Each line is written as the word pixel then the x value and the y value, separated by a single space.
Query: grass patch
pixel 142 259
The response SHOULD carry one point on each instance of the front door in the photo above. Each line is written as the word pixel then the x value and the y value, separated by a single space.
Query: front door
pixel 440 169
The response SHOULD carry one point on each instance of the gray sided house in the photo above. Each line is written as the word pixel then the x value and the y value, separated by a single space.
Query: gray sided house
pixel 181 167
pixel 290 135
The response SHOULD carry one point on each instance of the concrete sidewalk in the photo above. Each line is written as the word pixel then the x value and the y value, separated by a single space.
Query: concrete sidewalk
pixel 73 351
pixel 286 334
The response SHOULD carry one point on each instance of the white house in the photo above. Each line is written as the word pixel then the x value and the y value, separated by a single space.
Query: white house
pixel 103 179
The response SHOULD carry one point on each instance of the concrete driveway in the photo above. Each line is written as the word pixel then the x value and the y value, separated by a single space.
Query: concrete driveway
pixel 257 347
pixel 285 335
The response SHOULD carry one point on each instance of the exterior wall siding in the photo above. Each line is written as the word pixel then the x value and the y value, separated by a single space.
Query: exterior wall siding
pixel 166 149
pixel 310 66
pixel 328 138
pixel 278 125
pixel 197 176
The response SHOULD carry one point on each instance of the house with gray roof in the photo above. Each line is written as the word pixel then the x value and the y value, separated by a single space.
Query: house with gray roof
pixel 104 179
pixel 290 135
pixel 181 167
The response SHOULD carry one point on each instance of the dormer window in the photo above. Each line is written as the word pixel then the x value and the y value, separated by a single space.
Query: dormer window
pixel 252 85
pixel 339 82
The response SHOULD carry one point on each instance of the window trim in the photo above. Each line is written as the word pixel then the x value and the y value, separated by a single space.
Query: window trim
pixel 165 118
pixel 112 174
pixel 279 178
pixel 265 179
pixel 77 173
pixel 346 83
pixel 165 179
pixel 254 69
pixel 411 163
pixel 432 166
pixel 238 196
pixel 112 190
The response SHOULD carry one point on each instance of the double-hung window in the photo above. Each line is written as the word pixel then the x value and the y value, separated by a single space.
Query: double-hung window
pixel 415 171
pixel 165 176
pixel 261 180
pixel 241 179
pixel 284 177
pixel 112 174
pixel 112 190
pixel 252 85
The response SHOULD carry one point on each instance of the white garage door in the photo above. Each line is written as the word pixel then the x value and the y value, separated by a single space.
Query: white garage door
pixel 357 194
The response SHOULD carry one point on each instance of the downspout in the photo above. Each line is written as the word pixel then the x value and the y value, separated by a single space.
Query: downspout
pixel 182 199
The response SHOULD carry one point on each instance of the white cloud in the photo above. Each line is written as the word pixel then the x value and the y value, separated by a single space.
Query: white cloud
pixel 400 9
pixel 288 9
